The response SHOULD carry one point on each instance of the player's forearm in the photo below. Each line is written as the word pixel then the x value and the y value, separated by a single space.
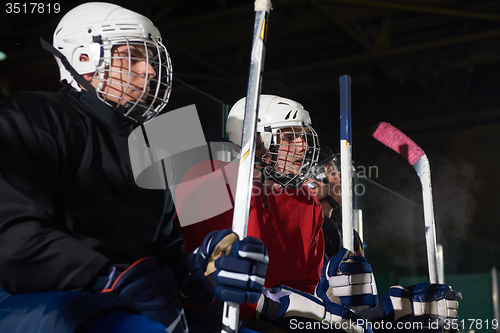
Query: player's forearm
pixel 35 259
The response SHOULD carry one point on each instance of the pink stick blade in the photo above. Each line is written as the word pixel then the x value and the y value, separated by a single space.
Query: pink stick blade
pixel 393 138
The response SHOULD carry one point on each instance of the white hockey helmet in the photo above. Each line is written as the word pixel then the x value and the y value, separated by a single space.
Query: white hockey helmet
pixel 93 29
pixel 279 117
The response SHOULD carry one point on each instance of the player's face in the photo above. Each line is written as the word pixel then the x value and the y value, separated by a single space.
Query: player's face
pixel 332 174
pixel 333 177
pixel 291 149
pixel 129 75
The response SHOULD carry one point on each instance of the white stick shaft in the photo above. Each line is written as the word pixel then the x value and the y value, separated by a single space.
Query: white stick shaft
pixel 346 183
pixel 346 162
pixel 494 294
pixel 440 263
pixel 358 223
pixel 423 170
pixel 247 159
pixel 230 316
pixel 230 312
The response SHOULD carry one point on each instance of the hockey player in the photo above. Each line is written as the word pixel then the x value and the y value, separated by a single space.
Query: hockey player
pixel 83 248
pixel 283 212
pixel 419 306
pixel 433 307
pixel 325 184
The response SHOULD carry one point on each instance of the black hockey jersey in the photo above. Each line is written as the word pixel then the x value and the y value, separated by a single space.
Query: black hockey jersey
pixel 332 229
pixel 69 205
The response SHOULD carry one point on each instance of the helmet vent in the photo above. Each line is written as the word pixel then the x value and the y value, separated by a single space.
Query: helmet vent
pixel 127 26
pixel 295 114
pixel 119 27
pixel 288 115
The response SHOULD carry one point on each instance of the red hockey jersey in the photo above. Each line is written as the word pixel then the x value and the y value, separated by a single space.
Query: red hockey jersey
pixel 289 223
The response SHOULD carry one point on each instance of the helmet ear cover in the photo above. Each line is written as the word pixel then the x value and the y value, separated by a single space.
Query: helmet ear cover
pixel 96 51
pixel 268 137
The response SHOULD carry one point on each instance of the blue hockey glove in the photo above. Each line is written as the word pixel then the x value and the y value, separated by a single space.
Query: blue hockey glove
pixel 348 280
pixel 303 310
pixel 150 290
pixel 232 270
pixel 435 306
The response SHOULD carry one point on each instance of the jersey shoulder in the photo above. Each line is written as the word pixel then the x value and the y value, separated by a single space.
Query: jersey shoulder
pixel 43 110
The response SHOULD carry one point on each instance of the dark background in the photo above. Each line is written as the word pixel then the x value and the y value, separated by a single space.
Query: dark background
pixel 430 68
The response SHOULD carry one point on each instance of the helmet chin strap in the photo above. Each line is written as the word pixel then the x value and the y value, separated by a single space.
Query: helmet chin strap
pixel 334 204
pixel 138 109
pixel 292 183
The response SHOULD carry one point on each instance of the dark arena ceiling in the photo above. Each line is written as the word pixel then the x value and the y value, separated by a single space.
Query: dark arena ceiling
pixel 429 67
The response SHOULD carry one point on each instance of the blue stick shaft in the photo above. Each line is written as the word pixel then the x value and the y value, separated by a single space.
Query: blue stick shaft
pixel 345 108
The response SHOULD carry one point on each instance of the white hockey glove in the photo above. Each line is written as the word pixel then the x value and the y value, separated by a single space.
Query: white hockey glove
pixel 435 306
pixel 291 309
pixel 419 308
pixel 348 280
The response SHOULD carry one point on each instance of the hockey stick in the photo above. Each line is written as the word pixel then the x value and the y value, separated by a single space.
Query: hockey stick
pixel 404 146
pixel 244 182
pixel 346 162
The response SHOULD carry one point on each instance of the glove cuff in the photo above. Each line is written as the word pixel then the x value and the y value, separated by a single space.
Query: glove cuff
pixel 105 278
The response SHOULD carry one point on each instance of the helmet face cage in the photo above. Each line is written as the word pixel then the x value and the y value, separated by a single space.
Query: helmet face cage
pixel 293 151
pixel 137 96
